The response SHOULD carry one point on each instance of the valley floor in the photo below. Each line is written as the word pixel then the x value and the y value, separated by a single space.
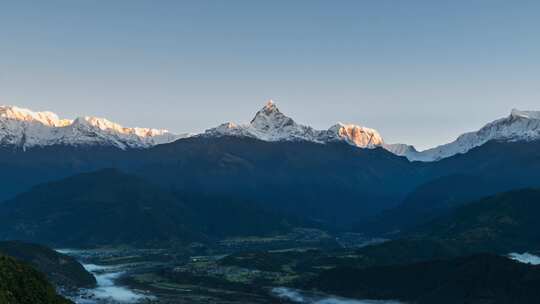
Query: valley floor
pixel 280 269
pixel 160 276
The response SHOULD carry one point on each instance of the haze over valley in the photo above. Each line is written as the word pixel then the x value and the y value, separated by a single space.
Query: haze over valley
pixel 142 160
pixel 258 212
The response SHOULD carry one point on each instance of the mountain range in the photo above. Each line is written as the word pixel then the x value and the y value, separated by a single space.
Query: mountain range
pixel 341 177
pixel 90 183
pixel 23 128
pixel 270 124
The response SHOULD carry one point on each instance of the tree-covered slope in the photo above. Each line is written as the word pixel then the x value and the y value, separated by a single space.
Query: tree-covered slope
pixel 21 284
pixel 109 207
pixel 484 278
pixel 335 183
pixel 492 168
pixel 101 208
pixel 501 223
pixel 62 270
pixel 435 198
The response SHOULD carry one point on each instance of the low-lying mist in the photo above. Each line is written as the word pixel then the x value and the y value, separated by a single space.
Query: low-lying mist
pixel 525 257
pixel 298 296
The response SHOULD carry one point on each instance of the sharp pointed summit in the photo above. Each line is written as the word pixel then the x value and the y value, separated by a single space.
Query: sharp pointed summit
pixel 270 124
pixel 270 105
pixel 24 128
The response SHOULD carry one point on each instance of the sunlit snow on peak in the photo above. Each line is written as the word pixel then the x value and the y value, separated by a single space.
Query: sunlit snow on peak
pixel 25 128
pixel 270 124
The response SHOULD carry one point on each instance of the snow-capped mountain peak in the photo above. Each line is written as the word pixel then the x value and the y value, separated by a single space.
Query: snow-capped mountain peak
pixel 401 149
pixel 21 114
pixel 518 126
pixel 109 126
pixel 525 114
pixel 270 107
pixel 357 135
pixel 269 117
pixel 25 128
pixel 270 124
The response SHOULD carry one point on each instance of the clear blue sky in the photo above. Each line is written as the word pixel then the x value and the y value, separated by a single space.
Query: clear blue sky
pixel 420 72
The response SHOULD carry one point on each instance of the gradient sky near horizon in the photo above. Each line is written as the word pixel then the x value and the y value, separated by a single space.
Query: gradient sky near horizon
pixel 420 72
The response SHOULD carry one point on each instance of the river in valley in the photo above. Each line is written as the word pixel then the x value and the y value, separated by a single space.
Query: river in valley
pixel 108 290
pixel 109 267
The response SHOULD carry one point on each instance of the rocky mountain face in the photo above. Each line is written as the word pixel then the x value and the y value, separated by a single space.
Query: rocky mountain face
pixel 270 124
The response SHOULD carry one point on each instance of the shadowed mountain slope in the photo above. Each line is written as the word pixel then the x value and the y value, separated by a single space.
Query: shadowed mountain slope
pixel 21 284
